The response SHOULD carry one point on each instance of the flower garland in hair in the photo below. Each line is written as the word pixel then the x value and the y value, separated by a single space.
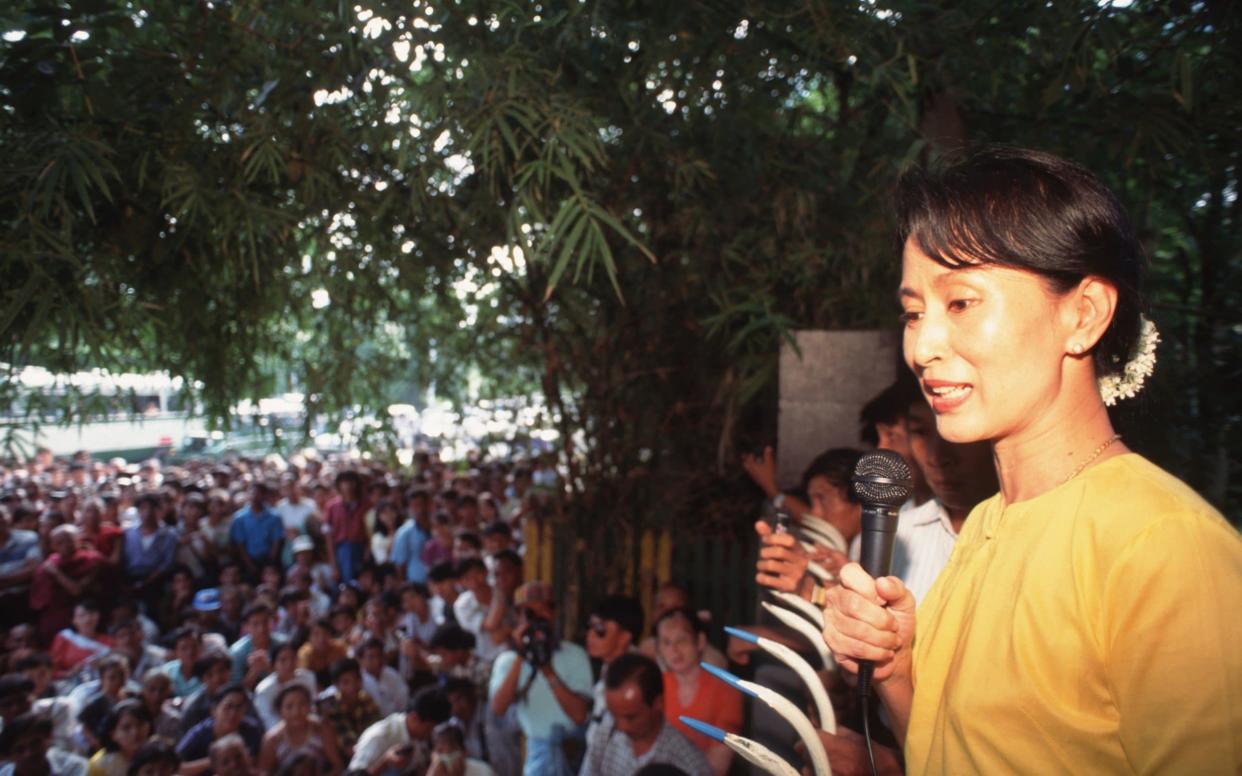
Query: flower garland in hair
pixel 1142 363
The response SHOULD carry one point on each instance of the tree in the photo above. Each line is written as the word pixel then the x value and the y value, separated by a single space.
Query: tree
pixel 627 204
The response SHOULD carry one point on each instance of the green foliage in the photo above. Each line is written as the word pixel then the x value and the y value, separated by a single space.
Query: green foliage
pixel 623 205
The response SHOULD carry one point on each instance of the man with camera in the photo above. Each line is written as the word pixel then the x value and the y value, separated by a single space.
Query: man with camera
pixel 549 680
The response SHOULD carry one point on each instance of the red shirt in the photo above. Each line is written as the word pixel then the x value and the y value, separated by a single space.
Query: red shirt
pixel 715 703
pixel 346 522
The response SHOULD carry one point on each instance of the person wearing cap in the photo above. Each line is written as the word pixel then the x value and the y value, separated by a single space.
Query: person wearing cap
pixel 553 700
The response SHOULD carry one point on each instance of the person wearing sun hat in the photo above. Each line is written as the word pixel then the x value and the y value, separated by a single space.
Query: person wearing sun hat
pixel 547 679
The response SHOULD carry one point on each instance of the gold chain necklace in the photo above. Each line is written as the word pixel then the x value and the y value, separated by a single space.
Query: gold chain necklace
pixel 1098 452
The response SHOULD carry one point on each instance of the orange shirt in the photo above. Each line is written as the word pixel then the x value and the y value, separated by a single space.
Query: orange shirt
pixel 715 703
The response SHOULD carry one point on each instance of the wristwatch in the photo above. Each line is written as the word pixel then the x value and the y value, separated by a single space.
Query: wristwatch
pixel 778 500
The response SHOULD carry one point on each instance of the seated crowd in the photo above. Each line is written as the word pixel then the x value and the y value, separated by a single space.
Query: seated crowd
pixel 303 617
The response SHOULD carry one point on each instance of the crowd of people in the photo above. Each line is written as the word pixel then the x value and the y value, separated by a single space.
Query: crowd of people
pixel 308 617
pixel 318 617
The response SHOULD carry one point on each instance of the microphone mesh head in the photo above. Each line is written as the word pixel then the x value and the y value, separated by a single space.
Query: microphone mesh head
pixel 882 477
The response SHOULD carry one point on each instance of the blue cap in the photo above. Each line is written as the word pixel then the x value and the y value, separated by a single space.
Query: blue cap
pixel 207 600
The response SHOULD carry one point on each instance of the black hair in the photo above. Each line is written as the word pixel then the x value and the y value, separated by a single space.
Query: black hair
pixel 416 587
pixel 209 661
pixel 130 706
pixel 508 555
pixel 459 684
pixel 1033 211
pixel 637 668
pixel 380 506
pixel 154 751
pixel 351 476
pixel 498 528
pixel 371 643
pixel 624 610
pixel 229 689
pixel 889 406
pixel 442 571
pixel 186 631
pixel 22 726
pixel 255 608
pixel 33 660
pixel 418 491
pixel 466 565
pixel 431 705
pixel 344 666
pixel 450 636
pixel 280 646
pixel 836 466
pixel 16 684
pixel 290 688
pixel 471 538
pixel 686 613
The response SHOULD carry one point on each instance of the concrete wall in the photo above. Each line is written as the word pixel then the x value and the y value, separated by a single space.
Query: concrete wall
pixel 822 392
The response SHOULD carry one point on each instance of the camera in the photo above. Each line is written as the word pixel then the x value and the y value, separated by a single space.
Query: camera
pixel 538 643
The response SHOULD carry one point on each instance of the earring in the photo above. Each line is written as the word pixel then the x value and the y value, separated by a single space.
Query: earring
pixel 1076 349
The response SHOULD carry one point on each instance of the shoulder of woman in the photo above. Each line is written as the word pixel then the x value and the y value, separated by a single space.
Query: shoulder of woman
pixel 1128 495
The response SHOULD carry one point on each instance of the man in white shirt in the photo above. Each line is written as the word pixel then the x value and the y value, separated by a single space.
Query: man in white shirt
pixel 293 508
pixel 472 606
pixel 383 683
pixel 399 743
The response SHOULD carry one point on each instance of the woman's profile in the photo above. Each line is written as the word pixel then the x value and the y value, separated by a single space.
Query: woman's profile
pixel 1087 619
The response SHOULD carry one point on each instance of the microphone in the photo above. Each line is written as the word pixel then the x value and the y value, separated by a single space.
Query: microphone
pixel 882 482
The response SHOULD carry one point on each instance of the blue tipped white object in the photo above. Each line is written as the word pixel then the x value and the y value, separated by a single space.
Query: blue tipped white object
pixel 781 705
pixel 750 750
pixel 823 707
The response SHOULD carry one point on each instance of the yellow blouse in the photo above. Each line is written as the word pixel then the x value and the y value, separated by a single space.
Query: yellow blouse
pixel 1096 628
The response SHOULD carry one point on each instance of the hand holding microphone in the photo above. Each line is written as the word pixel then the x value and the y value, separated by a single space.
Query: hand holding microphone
pixel 869 617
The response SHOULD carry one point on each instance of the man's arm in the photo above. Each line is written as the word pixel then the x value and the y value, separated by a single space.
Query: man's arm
pixel 576 707
pixel 504 695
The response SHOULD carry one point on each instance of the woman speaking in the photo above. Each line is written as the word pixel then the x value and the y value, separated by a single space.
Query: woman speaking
pixel 1088 619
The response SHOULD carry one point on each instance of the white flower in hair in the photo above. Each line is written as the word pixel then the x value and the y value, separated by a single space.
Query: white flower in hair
pixel 1142 363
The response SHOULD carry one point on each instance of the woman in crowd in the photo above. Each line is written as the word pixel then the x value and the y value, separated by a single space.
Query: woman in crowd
pixel 691 691
pixel 126 729
pixel 1084 621
pixel 80 642
pixel 228 716
pixel 387 521
pixel 298 733
pixel 113 674
pixel 285 672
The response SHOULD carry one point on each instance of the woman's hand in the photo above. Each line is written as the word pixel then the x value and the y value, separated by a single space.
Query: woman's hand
pixel 762 470
pixel 782 562
pixel 870 619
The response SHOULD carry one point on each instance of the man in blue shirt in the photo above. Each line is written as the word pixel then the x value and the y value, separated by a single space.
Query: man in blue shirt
pixel 257 532
pixel 407 545
pixel 148 551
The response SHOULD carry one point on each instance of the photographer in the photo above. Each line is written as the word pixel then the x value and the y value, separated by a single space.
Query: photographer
pixel 548 679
